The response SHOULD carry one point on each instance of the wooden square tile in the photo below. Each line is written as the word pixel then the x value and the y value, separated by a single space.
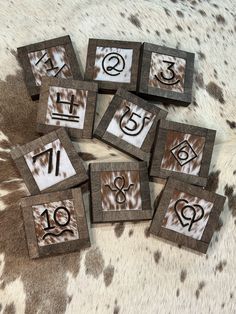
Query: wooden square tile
pixel 187 215
pixel 53 58
pixel 166 74
pixel 182 151
pixel 113 64
pixel 55 223
pixel 67 103
pixel 49 163
pixel 120 192
pixel 129 124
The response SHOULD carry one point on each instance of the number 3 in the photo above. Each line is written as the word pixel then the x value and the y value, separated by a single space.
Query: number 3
pixel 171 64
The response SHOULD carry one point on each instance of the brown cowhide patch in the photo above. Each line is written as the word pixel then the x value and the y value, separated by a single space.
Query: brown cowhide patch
pixel 108 274
pixel 17 111
pixel 94 262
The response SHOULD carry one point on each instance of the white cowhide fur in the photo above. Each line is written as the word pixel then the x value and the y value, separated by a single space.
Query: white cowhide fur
pixel 126 270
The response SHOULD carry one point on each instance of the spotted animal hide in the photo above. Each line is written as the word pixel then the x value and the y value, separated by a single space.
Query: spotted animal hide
pixel 126 270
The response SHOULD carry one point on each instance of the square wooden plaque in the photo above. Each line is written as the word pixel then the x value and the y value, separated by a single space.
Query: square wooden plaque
pixel 55 58
pixel 166 74
pixel 120 192
pixel 113 64
pixel 67 103
pixel 55 223
pixel 187 215
pixel 182 151
pixel 129 124
pixel 49 163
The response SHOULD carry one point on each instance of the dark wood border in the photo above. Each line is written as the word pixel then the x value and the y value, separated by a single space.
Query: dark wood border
pixel 107 86
pixel 75 134
pixel 212 223
pixel 97 214
pixel 22 52
pixel 157 93
pixel 159 146
pixel 18 153
pixel 36 251
pixel 142 153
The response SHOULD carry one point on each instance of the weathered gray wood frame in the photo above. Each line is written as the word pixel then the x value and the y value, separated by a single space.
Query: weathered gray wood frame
pixel 163 203
pixel 18 153
pixel 142 153
pixel 23 58
pixel 164 95
pixel 159 146
pixel 97 214
pixel 108 86
pixel 36 251
pixel 75 134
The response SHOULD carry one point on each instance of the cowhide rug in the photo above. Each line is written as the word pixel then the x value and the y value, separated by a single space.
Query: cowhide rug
pixel 125 270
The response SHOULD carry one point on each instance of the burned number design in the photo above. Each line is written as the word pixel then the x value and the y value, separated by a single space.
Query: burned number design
pixel 57 211
pixel 66 117
pixel 167 80
pixel 49 64
pixel 196 210
pixel 116 61
pixel 136 127
pixel 120 189
pixel 183 153
pixel 50 164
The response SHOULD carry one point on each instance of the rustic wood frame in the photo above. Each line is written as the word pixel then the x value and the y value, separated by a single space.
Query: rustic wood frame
pixel 22 52
pixel 181 239
pixel 18 156
pixel 75 134
pixel 163 95
pixel 107 86
pixel 36 251
pixel 100 216
pixel 159 146
pixel 142 153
